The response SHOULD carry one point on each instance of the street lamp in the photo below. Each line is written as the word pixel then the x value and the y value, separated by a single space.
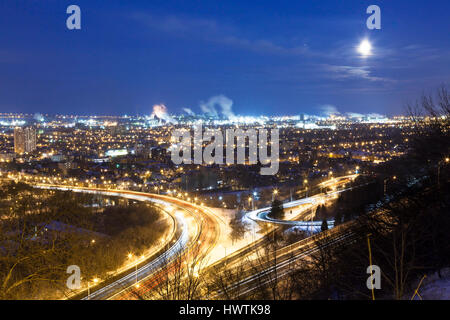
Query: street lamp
pixel 306 187
pixel 142 258
pixel 385 184
pixel 250 199
pixel 130 256
pixel 95 280
pixel 225 253
pixel 446 160
pixel 275 192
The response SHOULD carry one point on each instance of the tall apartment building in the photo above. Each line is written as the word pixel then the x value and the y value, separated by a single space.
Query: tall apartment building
pixel 24 140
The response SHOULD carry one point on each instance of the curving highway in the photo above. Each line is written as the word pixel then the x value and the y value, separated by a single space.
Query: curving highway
pixel 304 219
pixel 198 234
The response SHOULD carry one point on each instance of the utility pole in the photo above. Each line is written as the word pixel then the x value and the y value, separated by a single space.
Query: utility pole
pixel 370 262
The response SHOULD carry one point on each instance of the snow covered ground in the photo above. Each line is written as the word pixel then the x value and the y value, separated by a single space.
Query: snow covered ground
pixel 225 246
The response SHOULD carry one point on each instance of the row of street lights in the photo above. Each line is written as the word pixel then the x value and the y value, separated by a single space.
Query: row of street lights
pixel 130 255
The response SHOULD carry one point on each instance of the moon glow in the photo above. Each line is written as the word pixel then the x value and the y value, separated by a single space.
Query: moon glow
pixel 365 48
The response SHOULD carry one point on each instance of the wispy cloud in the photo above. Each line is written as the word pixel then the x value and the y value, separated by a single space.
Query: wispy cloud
pixel 210 30
pixel 351 72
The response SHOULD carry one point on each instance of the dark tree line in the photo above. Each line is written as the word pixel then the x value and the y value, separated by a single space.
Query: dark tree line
pixel 409 233
pixel 42 232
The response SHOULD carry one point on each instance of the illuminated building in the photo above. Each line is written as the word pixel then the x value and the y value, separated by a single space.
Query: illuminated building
pixel 24 140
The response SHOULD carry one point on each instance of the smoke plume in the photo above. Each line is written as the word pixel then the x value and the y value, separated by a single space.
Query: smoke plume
pixel 189 111
pixel 225 104
pixel 160 111
pixel 329 109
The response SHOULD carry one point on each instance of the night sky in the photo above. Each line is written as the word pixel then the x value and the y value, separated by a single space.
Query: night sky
pixel 268 57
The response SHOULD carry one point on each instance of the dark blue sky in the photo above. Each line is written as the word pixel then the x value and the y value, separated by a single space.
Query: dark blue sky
pixel 269 57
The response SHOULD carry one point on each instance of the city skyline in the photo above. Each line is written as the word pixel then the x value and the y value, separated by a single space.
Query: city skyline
pixel 226 155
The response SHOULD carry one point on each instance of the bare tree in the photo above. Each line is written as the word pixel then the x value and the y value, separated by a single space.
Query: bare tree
pixel 223 282
pixel 180 278
pixel 431 115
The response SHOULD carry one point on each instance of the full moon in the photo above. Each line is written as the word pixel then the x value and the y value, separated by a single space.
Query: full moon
pixel 365 48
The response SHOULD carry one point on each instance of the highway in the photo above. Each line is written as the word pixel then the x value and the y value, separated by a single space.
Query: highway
pixel 283 263
pixel 195 250
pixel 285 259
pixel 287 256
pixel 198 231
pixel 304 219
pixel 198 234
